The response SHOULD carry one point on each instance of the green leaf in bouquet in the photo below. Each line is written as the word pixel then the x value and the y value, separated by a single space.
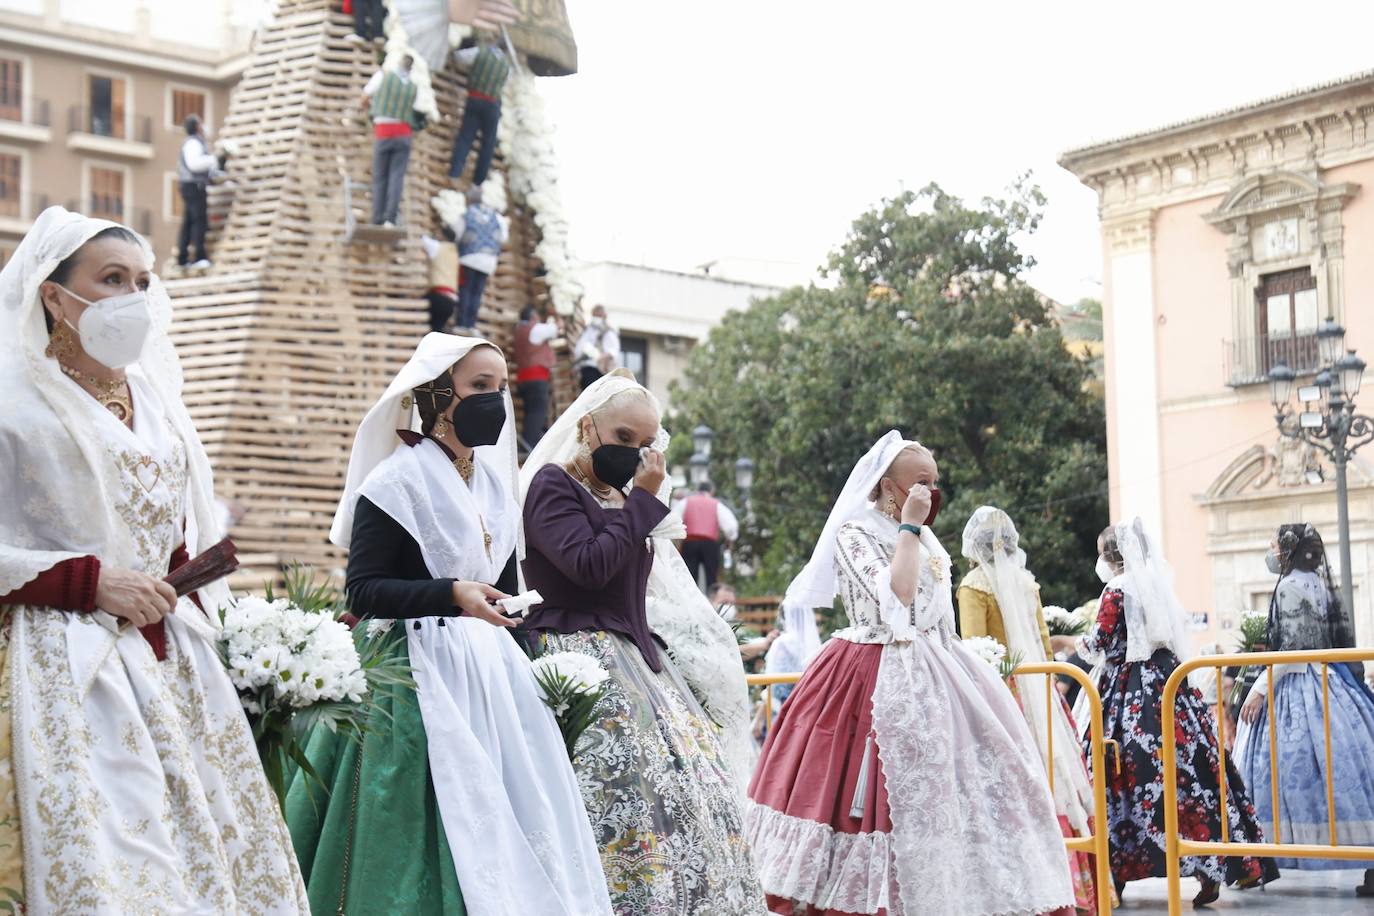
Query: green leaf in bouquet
pixel 1009 663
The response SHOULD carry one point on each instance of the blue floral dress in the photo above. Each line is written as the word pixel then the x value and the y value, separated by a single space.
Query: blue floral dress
pixel 1131 709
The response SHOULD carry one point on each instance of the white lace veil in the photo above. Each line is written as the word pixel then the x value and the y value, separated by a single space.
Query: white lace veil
pixel 67 507
pixel 991 541
pixel 799 631
pixel 395 409
pixel 1154 617
pixel 815 586
pixel 702 645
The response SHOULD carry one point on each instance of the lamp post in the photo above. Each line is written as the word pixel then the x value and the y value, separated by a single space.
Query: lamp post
pixel 698 470
pixel 744 481
pixel 1333 427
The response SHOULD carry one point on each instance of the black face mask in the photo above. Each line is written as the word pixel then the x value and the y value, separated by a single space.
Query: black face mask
pixel 478 418
pixel 614 464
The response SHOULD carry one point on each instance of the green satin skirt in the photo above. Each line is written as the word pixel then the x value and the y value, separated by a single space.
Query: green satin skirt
pixel 373 841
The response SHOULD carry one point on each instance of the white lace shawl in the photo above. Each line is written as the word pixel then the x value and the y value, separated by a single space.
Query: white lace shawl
pixel 65 483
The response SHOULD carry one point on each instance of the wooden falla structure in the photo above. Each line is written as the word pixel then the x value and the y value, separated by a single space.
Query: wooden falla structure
pixel 297 329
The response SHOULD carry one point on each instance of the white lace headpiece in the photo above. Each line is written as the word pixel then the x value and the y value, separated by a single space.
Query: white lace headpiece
pixel 376 438
pixel 1154 617
pixel 815 586
pixel 69 510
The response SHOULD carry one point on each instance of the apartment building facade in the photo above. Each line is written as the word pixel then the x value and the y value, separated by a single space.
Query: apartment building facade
pixel 92 100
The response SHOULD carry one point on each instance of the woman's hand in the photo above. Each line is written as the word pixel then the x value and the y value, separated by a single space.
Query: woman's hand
pixel 651 471
pixel 475 599
pixel 133 596
pixel 916 509
pixel 1251 710
pixel 1060 643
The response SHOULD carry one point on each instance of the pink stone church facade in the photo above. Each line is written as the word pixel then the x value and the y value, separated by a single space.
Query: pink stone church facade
pixel 1226 239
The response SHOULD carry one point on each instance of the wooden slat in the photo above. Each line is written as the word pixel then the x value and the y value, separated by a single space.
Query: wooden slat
pixel 294 333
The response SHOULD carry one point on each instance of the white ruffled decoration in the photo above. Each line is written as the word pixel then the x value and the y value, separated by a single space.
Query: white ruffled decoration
pixel 450 205
pixel 525 138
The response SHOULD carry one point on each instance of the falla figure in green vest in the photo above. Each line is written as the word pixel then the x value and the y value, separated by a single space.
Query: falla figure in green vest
pixel 390 97
pixel 488 68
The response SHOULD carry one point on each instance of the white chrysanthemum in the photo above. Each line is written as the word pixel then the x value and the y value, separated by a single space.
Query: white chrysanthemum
pixel 581 672
pixel 297 657
pixel 988 649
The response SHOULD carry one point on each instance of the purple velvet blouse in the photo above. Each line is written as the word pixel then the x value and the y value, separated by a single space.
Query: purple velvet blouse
pixel 591 564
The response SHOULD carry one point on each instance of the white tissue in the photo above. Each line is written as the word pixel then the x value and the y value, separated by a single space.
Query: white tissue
pixel 517 605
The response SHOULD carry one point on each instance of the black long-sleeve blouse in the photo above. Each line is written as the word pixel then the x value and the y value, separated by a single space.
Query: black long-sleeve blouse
pixel 387 575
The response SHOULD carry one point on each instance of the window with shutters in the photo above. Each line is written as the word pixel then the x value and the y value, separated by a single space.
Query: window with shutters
pixel 186 102
pixel 11 89
pixel 1288 318
pixel 107 106
pixel 172 211
pixel 11 183
pixel 107 194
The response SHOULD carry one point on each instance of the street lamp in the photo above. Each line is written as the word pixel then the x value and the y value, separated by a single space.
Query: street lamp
pixel 699 469
pixel 744 479
pixel 1336 430
pixel 701 440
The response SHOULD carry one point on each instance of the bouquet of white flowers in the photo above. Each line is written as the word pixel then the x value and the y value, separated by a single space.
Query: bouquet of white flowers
pixel 572 684
pixel 1064 622
pixel 296 665
pixel 995 654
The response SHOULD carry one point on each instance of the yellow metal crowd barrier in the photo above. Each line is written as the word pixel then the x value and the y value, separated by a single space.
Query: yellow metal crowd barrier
pixel 1176 847
pixel 1096 843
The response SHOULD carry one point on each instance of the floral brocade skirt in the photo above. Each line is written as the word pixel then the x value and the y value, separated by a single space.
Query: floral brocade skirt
pixel 664 807
pixel 1303 816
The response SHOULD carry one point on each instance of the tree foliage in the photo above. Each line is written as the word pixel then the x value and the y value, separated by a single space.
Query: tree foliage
pixel 930 329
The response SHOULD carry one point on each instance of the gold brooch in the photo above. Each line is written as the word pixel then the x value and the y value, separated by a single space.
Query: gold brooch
pixel 464 467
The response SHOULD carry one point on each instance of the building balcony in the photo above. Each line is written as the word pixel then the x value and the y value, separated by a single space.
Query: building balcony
pixel 17 213
pixel 1249 359
pixel 31 126
pixel 97 132
pixel 139 219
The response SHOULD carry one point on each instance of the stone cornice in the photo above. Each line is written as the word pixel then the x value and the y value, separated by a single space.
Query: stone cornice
pixel 1304 132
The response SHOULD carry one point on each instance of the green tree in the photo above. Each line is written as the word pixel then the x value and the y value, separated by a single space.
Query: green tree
pixel 930 329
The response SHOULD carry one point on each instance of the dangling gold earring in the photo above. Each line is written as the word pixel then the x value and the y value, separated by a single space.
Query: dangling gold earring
pixel 891 510
pixel 442 427
pixel 61 342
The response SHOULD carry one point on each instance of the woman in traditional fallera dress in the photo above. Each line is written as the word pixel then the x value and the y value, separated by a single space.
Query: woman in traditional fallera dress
pixel 129 780
pixel 461 797
pixel 661 769
pixel 1139 639
pixel 900 778
pixel 1001 599
pixel 1305 612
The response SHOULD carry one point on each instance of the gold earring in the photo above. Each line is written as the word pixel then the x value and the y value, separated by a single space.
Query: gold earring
pixel 442 427
pixel 891 507
pixel 61 342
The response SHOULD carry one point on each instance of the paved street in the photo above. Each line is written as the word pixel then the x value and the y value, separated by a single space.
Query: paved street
pixel 1320 893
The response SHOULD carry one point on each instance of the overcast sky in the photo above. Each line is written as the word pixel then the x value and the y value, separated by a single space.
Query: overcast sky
pixel 758 129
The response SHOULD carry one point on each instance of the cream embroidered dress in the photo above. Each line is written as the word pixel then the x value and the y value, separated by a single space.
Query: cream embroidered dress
pixel 137 786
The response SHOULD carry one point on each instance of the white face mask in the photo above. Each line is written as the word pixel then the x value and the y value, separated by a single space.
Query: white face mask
pixel 113 330
pixel 1105 572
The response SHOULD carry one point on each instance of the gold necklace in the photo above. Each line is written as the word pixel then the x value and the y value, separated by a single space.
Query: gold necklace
pixel 113 395
pixel 464 467
pixel 603 491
